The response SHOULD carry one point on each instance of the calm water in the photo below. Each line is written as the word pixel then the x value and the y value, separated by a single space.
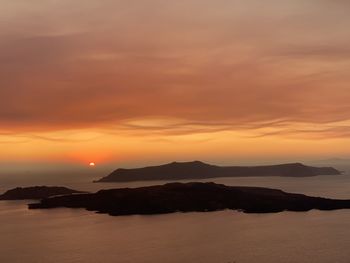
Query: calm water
pixel 75 235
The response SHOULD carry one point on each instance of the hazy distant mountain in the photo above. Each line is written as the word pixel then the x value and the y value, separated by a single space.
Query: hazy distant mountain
pixel 200 197
pixel 200 170
pixel 333 161
pixel 36 192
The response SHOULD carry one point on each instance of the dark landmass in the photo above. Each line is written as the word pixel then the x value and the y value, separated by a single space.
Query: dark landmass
pixel 36 192
pixel 190 197
pixel 200 170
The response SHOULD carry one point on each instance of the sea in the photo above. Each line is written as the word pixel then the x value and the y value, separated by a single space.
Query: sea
pixel 65 235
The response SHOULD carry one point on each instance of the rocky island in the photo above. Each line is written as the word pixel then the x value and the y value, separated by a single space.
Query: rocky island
pixel 36 192
pixel 190 197
pixel 199 170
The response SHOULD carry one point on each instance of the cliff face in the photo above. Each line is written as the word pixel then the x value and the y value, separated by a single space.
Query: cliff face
pixel 200 170
pixel 200 197
pixel 36 192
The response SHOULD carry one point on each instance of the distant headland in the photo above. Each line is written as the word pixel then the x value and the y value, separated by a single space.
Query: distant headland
pixel 200 170
pixel 36 192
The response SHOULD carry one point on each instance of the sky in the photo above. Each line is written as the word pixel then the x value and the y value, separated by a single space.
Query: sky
pixel 153 81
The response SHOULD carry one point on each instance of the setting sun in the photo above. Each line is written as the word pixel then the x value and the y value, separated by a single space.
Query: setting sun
pixel 91 164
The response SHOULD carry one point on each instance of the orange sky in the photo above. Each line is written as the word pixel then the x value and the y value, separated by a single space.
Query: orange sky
pixel 122 81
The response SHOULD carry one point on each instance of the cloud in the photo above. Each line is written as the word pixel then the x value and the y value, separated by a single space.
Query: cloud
pixel 227 66
pixel 339 52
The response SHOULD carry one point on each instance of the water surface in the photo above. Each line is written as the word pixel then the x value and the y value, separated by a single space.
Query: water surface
pixel 76 235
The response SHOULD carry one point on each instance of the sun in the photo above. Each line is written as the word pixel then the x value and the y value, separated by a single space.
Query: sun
pixel 92 164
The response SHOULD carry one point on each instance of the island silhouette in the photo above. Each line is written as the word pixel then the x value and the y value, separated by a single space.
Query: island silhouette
pixel 200 170
pixel 185 197
pixel 190 197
